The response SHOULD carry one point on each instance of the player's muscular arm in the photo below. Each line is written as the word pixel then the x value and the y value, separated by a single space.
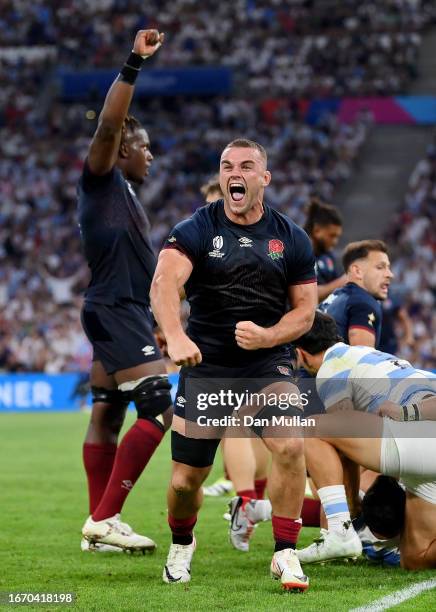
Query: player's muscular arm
pixel 172 271
pixel 361 337
pixel 325 290
pixel 103 151
pixel 304 299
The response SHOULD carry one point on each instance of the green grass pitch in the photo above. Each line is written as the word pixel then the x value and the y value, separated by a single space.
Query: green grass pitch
pixel 44 504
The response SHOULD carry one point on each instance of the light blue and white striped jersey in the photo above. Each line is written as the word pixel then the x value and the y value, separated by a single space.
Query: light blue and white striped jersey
pixel 369 377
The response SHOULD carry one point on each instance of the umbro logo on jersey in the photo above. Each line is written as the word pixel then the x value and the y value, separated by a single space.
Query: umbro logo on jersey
pixel 172 239
pixel 371 319
pixel 148 350
pixel 245 242
pixel 217 243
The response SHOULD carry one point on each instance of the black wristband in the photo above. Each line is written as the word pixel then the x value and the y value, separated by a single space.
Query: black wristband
pixel 131 68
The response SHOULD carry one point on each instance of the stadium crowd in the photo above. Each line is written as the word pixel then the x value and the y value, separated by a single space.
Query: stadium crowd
pixel 41 263
pixel 43 144
pixel 413 244
pixel 303 47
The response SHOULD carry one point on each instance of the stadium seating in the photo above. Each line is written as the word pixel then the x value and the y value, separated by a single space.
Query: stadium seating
pixel 297 47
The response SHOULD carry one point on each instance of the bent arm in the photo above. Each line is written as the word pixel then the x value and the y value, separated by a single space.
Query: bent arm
pixel 304 300
pixel 172 271
pixel 103 151
pixel 361 337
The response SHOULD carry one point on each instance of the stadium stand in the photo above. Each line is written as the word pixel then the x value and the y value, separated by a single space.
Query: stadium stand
pixel 311 48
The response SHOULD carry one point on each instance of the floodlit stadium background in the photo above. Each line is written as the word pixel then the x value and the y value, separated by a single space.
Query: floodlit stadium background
pixel 340 94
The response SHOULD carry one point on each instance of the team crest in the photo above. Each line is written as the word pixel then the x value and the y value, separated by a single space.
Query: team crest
pixel 275 249
pixel 284 370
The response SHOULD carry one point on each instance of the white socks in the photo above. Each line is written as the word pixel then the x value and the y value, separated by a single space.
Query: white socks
pixel 334 502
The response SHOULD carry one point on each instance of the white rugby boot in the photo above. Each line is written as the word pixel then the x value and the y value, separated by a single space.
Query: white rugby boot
pixel 87 546
pixel 286 567
pixel 332 545
pixel 241 527
pixel 220 487
pixel 115 533
pixel 178 565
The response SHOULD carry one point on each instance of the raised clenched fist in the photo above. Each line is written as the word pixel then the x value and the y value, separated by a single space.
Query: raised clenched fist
pixel 147 42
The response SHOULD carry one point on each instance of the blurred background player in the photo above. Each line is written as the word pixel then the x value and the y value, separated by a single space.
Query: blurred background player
pixel 116 314
pixel 209 254
pixel 324 228
pixel 356 306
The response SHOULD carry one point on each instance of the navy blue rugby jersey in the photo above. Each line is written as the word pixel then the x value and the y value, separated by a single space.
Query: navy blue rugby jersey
pixel 241 273
pixel 115 235
pixel 351 306
pixel 327 269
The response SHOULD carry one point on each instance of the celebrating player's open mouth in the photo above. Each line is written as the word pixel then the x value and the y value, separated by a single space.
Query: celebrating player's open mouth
pixel 237 191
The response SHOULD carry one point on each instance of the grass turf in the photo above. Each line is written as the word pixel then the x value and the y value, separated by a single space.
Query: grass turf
pixel 44 504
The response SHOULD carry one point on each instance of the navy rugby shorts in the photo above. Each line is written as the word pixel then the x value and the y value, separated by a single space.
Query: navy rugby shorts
pixel 121 334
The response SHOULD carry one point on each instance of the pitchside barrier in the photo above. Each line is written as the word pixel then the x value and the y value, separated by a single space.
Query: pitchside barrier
pixel 49 392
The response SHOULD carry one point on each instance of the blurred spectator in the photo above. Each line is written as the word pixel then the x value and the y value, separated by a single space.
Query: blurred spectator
pixel 413 239
pixel 277 48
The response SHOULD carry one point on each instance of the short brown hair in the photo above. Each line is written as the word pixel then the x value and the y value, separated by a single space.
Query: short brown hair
pixel 245 143
pixel 361 250
pixel 212 184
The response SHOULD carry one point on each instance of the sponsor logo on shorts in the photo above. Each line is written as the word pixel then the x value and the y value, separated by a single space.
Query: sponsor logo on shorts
pixel 217 243
pixel 148 350
pixel 245 242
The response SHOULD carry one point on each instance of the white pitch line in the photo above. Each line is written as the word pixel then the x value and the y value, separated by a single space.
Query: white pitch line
pixel 398 597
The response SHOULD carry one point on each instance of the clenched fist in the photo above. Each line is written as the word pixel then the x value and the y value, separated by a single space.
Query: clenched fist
pixel 251 337
pixel 183 351
pixel 147 42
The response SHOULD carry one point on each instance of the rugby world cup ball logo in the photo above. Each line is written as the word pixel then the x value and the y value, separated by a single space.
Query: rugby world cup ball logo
pixel 275 249
pixel 218 243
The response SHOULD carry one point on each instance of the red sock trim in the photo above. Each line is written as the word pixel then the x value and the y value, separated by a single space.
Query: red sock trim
pixel 286 529
pixel 260 486
pixel 182 527
pixel 311 512
pixel 250 493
